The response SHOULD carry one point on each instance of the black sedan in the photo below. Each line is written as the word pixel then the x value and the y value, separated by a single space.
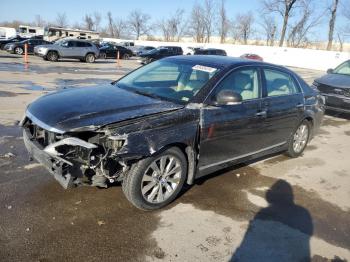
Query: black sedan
pixel 18 47
pixel 160 52
pixel 15 39
pixel 111 51
pixel 210 51
pixel 170 122
pixel 335 87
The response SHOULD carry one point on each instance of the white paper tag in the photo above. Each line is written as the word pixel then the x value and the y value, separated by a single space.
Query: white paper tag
pixel 204 68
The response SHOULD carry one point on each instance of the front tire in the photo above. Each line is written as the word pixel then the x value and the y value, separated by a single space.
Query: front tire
pixel 126 56
pixel 154 182
pixel 52 56
pixel 299 139
pixel 19 50
pixel 90 58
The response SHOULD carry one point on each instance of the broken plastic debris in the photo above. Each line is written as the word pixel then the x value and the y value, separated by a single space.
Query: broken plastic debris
pixel 8 155
pixel 100 222
pixel 238 175
pixel 9 207
pixel 78 202
pixel 27 229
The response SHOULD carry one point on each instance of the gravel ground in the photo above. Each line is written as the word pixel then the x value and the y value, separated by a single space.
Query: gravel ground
pixel 276 209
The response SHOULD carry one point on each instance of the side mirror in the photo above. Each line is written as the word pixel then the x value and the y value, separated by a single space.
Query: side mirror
pixel 330 71
pixel 227 97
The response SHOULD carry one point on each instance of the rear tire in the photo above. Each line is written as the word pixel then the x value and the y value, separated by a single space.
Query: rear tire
pixel 19 50
pixel 103 56
pixel 126 56
pixel 52 56
pixel 154 182
pixel 90 58
pixel 299 140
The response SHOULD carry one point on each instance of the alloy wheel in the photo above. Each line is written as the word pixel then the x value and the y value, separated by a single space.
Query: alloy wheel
pixel 19 51
pixel 161 179
pixel 300 138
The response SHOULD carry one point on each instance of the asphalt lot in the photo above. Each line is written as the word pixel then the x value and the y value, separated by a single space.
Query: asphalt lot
pixel 277 209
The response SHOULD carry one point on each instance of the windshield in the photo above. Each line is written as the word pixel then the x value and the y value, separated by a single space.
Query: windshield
pixel 343 69
pixel 177 81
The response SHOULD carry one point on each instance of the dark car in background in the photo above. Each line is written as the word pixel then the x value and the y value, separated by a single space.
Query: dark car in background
pixel 252 57
pixel 210 51
pixel 19 47
pixel 170 122
pixel 335 87
pixel 15 39
pixel 143 50
pixel 111 51
pixel 160 52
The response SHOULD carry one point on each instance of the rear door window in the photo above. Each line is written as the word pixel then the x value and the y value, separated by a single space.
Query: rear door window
pixel 279 83
pixel 71 44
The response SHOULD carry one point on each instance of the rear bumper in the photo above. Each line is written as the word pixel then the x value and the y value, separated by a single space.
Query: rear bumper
pixel 54 166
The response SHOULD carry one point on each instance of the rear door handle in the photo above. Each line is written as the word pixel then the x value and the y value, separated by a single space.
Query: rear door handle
pixel 261 114
pixel 300 105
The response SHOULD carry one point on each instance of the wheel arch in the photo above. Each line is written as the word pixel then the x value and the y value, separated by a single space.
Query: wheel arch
pixel 55 51
pixel 190 155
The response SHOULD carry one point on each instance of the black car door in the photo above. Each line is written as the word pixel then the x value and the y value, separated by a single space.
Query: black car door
pixel 31 45
pixel 230 132
pixel 283 105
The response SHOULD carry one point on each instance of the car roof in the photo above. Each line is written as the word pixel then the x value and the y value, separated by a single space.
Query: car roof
pixel 211 49
pixel 222 61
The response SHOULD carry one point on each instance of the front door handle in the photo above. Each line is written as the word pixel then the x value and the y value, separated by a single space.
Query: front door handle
pixel 300 105
pixel 261 114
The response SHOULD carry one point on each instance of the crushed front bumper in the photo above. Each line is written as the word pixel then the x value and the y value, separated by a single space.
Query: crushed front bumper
pixel 54 166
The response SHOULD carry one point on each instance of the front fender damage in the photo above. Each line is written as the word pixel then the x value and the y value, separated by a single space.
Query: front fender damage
pixel 105 155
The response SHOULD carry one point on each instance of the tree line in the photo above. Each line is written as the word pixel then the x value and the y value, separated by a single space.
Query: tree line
pixel 279 22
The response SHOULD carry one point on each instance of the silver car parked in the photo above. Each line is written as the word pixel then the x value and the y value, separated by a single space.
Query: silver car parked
pixel 68 48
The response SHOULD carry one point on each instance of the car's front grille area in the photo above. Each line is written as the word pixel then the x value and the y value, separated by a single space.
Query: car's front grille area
pixel 325 89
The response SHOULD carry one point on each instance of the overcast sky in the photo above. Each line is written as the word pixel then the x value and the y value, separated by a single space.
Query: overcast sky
pixel 25 10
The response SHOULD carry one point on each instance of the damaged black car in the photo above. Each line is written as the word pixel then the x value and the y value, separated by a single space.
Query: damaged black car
pixel 170 122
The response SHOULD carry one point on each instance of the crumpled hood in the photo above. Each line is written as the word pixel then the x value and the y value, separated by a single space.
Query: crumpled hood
pixel 335 80
pixel 94 106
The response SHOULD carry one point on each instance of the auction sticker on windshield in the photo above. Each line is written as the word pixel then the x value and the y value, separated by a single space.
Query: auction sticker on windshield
pixel 204 68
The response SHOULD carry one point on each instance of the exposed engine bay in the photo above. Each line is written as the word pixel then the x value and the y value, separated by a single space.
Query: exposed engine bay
pixel 82 158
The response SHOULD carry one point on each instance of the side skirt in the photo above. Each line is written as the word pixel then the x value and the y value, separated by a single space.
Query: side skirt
pixel 208 169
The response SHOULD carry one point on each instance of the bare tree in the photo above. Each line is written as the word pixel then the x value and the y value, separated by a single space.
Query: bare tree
pixel 208 18
pixel 270 29
pixel 285 9
pixel 298 35
pixel 243 28
pixel 197 23
pixel 333 11
pixel 224 22
pixel 340 36
pixel 116 27
pixel 173 27
pixel 88 22
pixel 61 20
pixel 119 28
pixel 110 24
pixel 138 23
pixel 39 21
pixel 97 20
